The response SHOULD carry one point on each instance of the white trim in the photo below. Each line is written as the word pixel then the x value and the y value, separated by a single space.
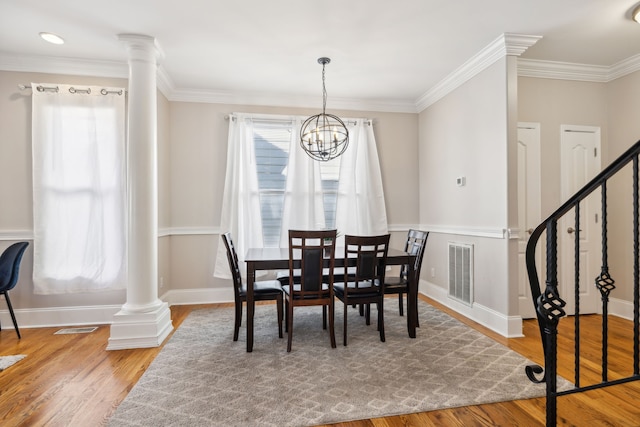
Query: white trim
pixel 507 326
pixel 579 72
pixel 621 308
pixel 140 330
pixel 58 65
pixel 16 235
pixel 562 70
pixel 60 316
pixel 493 233
pixel 506 44
pixel 198 296
pixel 10 235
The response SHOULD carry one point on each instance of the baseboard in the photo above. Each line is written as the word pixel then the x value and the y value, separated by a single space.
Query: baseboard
pixel 507 326
pixel 103 315
pixel 60 316
pixel 621 308
pixel 198 296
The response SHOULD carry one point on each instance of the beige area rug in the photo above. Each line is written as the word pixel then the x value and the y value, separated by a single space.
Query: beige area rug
pixel 7 361
pixel 203 378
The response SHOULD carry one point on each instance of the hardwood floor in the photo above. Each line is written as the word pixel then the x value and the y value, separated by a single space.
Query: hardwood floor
pixel 71 380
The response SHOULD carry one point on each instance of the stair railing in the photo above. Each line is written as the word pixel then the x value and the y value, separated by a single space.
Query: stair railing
pixel 550 306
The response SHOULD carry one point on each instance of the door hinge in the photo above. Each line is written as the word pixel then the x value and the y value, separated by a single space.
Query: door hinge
pixel 595 151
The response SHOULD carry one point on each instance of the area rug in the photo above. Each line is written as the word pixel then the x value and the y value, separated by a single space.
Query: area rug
pixel 203 378
pixel 7 361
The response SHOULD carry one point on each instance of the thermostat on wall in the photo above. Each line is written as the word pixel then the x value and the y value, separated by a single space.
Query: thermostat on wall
pixel 461 181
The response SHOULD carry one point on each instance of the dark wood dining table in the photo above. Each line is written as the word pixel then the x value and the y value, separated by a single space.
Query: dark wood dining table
pixel 278 259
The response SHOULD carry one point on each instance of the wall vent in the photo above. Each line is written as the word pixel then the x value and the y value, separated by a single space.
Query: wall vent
pixel 461 272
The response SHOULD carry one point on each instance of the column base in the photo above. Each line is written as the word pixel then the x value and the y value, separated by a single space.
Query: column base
pixel 140 330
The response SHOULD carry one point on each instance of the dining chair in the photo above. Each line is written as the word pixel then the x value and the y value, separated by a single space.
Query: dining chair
pixel 265 290
pixel 307 284
pixel 9 272
pixel 415 244
pixel 369 256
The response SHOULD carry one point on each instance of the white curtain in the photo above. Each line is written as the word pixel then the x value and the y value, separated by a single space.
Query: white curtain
pixel 360 207
pixel 303 201
pixel 79 191
pixel 241 199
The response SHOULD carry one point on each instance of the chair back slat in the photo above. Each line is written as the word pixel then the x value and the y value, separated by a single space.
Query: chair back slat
pixel 312 248
pixel 234 265
pixel 416 242
pixel 369 255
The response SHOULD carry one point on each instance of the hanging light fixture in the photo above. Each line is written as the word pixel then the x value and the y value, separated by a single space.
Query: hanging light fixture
pixel 324 136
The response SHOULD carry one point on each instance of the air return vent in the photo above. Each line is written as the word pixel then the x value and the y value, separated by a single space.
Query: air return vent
pixel 461 272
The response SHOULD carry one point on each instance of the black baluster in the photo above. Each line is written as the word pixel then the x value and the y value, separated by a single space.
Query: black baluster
pixel 576 281
pixel 550 308
pixel 605 284
pixel 636 273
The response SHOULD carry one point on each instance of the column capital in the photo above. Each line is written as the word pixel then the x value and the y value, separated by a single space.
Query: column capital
pixel 142 47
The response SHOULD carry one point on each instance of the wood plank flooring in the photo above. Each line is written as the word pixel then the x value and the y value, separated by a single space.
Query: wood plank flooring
pixel 71 380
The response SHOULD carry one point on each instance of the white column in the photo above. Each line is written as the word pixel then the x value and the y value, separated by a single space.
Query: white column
pixel 144 320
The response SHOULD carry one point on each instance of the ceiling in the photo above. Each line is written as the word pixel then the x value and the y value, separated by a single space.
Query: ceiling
pixel 382 52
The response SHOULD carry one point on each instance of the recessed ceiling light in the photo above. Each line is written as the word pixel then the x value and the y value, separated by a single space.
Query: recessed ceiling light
pixel 636 14
pixel 52 38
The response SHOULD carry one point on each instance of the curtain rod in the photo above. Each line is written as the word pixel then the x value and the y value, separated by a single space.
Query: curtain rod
pixel 284 120
pixel 41 88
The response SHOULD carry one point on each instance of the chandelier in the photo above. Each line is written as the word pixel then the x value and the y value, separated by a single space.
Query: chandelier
pixel 324 136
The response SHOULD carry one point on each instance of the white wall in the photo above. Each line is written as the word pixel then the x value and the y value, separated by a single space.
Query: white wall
pixel 467 134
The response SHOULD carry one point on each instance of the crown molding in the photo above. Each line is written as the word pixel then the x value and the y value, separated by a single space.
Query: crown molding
pixel 279 100
pixel 62 65
pixel 506 44
pixel 562 70
pixel 578 72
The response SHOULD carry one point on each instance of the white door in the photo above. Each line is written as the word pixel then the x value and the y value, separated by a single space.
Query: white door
pixel 580 162
pixel 528 208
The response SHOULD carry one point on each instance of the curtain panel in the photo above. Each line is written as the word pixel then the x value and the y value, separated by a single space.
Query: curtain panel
pixel 79 192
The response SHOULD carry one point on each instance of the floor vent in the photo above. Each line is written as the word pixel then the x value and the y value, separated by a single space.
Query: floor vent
pixel 75 331
pixel 461 272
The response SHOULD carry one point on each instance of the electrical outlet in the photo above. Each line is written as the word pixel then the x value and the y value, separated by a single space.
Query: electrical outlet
pixel 161 282
pixel 433 272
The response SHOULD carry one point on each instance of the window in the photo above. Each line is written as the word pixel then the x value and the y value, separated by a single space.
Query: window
pixel 272 185
pixel 272 144
pixel 79 190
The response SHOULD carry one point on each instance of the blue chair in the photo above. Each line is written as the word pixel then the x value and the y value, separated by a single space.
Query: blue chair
pixel 9 270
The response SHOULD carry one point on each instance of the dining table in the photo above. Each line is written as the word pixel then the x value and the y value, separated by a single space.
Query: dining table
pixel 259 259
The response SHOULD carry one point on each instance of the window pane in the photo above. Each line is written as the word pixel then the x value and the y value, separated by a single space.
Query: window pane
pixel 271 142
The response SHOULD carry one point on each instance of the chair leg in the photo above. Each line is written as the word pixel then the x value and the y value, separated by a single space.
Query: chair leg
pixel 381 320
pixel 344 326
pixel 367 314
pixel 13 316
pixel 279 307
pixel 238 320
pixel 401 304
pixel 324 317
pixel 332 334
pixel 289 325
pixel 286 315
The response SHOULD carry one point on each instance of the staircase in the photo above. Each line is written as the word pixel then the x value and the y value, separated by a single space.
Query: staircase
pixel 548 302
